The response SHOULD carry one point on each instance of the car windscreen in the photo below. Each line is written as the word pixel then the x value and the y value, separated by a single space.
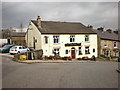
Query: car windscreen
pixel 13 47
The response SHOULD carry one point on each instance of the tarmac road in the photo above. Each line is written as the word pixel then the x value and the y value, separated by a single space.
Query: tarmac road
pixel 59 75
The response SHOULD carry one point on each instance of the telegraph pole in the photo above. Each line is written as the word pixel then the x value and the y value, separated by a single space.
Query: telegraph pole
pixel 21 27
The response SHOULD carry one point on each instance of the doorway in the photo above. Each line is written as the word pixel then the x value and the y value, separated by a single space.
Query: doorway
pixel 73 53
pixel 8 41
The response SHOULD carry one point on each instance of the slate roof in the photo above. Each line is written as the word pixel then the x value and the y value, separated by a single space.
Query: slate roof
pixel 18 34
pixel 52 27
pixel 107 35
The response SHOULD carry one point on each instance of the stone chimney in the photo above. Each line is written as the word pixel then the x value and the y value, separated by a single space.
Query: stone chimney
pixel 90 26
pixel 100 29
pixel 116 32
pixel 109 30
pixel 39 21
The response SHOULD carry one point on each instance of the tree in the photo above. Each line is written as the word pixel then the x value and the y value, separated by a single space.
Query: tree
pixel 6 33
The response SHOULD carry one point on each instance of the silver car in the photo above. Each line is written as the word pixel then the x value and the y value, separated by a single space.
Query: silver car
pixel 18 49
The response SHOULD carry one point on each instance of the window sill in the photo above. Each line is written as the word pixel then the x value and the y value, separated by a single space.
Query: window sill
pixel 73 42
pixel 80 54
pixel 87 41
pixel 105 46
pixel 87 53
pixel 56 43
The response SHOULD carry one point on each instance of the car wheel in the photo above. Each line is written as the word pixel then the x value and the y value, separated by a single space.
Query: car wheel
pixel 18 52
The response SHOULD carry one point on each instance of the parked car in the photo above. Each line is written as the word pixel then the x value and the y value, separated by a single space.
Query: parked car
pixel 18 49
pixel 3 44
pixel 6 48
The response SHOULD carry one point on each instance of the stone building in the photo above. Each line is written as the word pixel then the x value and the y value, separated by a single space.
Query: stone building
pixel 18 38
pixel 109 43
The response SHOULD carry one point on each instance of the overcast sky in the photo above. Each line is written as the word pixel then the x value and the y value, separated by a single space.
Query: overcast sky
pixel 89 13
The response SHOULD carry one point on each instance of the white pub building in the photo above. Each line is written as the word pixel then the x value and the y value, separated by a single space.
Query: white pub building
pixel 62 38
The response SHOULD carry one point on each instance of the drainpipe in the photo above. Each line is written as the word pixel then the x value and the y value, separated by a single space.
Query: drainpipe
pixel 34 42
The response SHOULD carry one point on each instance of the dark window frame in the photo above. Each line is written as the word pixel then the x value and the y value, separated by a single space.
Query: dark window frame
pixel 72 38
pixel 87 50
pixel 66 51
pixel 94 50
pixel 55 39
pixel 86 37
pixel 46 40
pixel 55 52
pixel 79 50
pixel 115 44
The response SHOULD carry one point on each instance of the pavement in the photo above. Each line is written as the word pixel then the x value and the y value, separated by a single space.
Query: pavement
pixel 54 61
pixel 51 61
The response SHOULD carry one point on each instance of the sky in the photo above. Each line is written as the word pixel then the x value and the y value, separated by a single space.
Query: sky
pixel 97 14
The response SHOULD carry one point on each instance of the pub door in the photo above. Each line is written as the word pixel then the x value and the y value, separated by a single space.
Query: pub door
pixel 73 53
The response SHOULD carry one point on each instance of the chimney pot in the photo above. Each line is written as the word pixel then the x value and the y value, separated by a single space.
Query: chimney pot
pixel 90 26
pixel 39 21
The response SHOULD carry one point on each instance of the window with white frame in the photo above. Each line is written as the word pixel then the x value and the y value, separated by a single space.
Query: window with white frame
pixel 87 50
pixel 56 51
pixel 86 37
pixel 55 39
pixel 115 44
pixel 79 51
pixel 72 38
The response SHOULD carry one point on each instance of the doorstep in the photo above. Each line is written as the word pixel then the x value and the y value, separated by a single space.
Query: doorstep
pixel 53 61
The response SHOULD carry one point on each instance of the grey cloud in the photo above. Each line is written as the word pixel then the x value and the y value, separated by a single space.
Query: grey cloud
pixel 0 15
pixel 94 13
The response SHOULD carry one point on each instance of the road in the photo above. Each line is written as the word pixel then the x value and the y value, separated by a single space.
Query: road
pixel 55 75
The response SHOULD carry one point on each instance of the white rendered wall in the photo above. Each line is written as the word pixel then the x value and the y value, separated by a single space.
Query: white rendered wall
pixel 63 39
